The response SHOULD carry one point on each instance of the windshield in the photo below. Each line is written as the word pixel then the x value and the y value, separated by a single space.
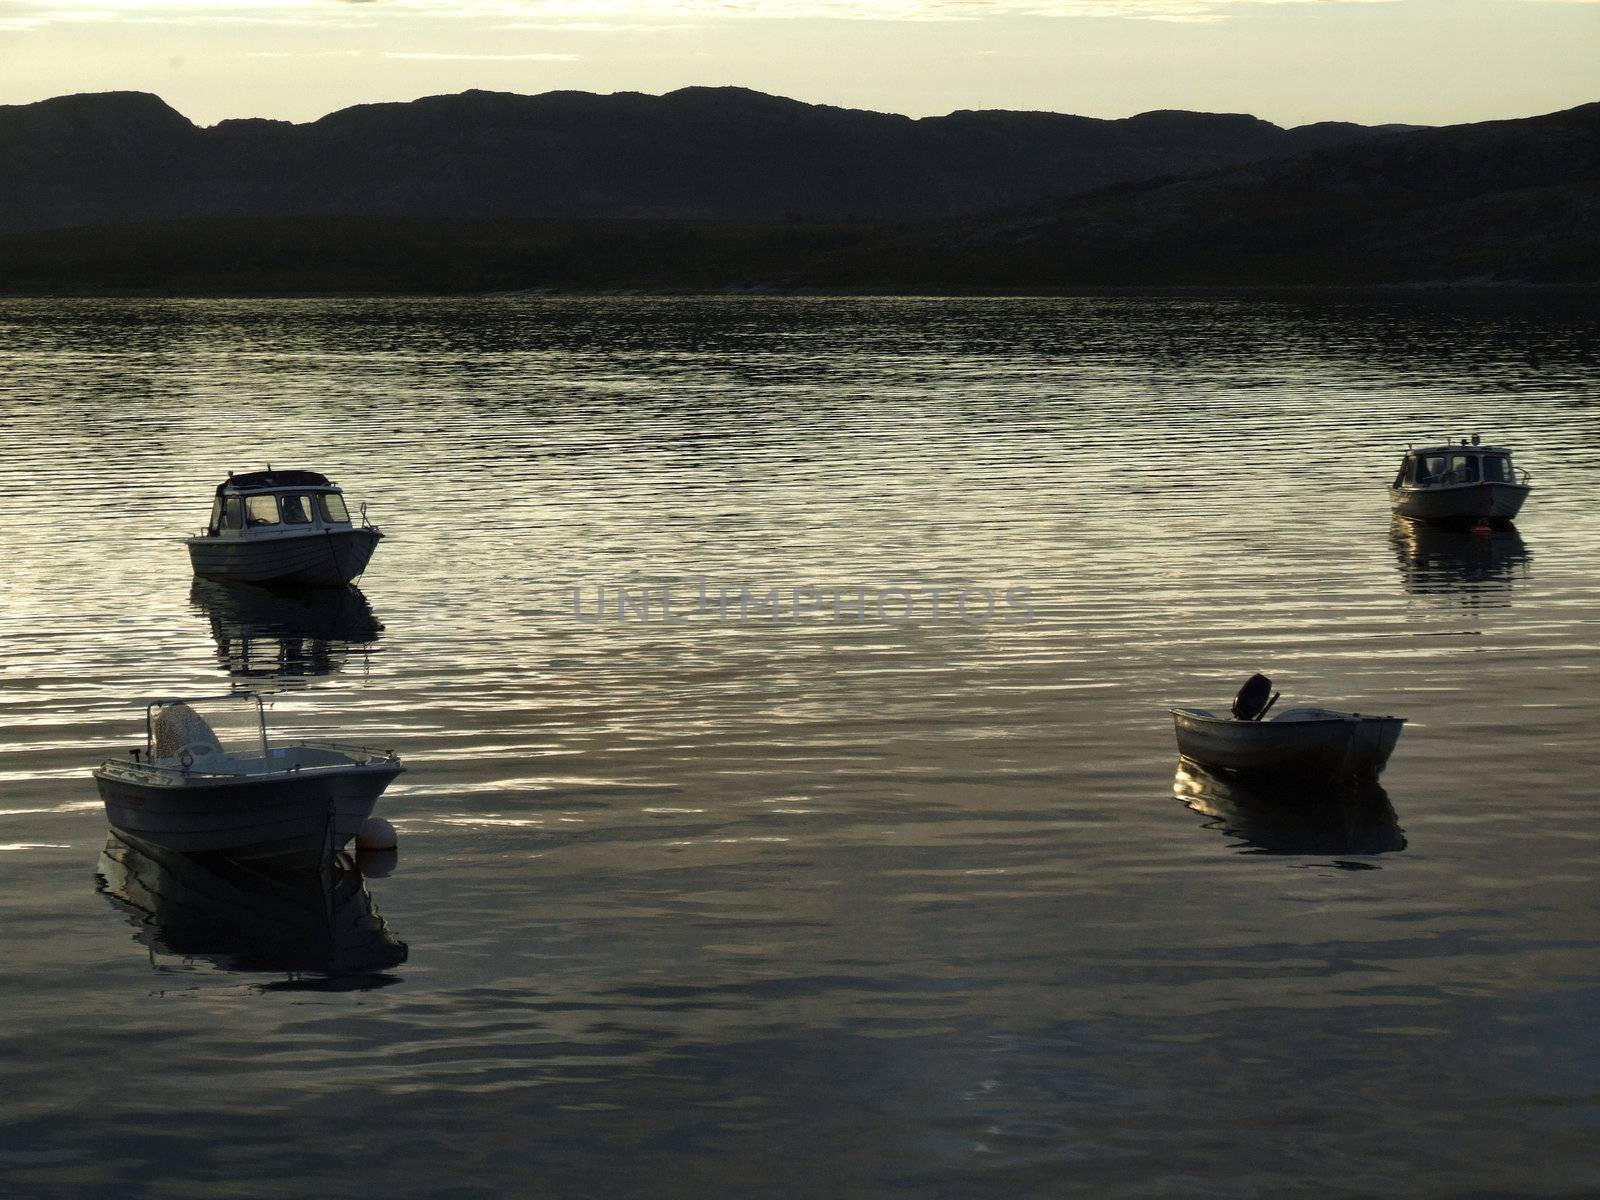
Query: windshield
pixel 205 728
pixel 297 510
pixel 333 508
pixel 1447 468
pixel 261 510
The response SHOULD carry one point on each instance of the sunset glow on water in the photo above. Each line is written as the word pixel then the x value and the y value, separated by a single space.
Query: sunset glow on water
pixel 841 896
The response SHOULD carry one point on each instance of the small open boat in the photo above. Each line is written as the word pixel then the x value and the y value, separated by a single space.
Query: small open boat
pixel 209 781
pixel 284 527
pixel 1300 743
pixel 1462 483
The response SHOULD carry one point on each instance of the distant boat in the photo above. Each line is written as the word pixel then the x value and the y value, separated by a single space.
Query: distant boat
pixel 1300 743
pixel 195 790
pixel 282 527
pixel 1465 483
pixel 246 916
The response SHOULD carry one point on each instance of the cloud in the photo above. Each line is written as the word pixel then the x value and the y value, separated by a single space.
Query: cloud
pixel 597 16
pixel 431 56
pixel 589 26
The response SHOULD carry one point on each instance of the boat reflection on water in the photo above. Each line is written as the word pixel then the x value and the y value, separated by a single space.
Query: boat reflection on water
pixel 1478 568
pixel 320 923
pixel 1350 817
pixel 283 633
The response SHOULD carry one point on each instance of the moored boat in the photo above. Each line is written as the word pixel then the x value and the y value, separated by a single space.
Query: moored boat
pixel 195 790
pixel 282 527
pixel 1464 483
pixel 1300 743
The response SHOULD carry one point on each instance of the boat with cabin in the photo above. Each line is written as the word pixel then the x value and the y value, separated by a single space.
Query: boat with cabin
pixel 1467 482
pixel 1299 743
pixel 209 780
pixel 282 527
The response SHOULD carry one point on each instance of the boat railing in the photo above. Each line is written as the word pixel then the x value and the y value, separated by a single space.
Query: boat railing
pixel 190 767
pixel 362 754
pixel 182 770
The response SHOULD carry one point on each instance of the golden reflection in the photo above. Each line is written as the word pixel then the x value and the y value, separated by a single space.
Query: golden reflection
pixel 247 916
pixel 1352 817
pixel 1480 569
pixel 285 634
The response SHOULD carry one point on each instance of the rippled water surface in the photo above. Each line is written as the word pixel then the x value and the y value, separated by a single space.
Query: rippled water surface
pixel 844 905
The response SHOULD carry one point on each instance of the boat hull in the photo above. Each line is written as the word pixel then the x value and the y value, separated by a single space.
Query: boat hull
pixel 326 557
pixel 1302 750
pixel 300 817
pixel 1460 502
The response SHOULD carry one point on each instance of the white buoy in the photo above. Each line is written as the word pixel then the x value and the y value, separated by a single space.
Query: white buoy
pixel 377 864
pixel 377 834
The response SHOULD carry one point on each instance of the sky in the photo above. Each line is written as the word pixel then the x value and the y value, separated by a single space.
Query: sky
pixel 1289 61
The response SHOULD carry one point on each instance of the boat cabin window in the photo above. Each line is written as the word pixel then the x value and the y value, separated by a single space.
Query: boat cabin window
pixel 1497 468
pixel 333 508
pixel 1430 467
pixel 261 510
pixel 1446 468
pixel 296 510
pixel 233 513
pixel 215 523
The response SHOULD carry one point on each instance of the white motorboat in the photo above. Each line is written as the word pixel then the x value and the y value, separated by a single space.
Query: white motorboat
pixel 1300 743
pixel 249 916
pixel 282 527
pixel 1460 483
pixel 209 781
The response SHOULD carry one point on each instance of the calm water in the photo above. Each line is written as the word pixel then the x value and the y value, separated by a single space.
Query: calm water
pixel 816 907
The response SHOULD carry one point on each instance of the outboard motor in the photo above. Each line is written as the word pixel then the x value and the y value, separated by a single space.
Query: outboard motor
pixel 1254 699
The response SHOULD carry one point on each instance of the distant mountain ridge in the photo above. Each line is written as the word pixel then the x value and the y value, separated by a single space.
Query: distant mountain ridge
pixel 721 153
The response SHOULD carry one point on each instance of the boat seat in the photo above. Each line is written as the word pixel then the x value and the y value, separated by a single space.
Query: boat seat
pixel 178 728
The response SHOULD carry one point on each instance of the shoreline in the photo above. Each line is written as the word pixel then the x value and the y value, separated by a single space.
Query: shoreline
pixel 1220 290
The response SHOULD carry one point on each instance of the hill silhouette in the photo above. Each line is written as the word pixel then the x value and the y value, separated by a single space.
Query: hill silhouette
pixel 1502 202
pixel 1494 202
pixel 695 153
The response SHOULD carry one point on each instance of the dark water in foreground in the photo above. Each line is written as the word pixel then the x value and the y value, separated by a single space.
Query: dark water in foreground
pixel 818 907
